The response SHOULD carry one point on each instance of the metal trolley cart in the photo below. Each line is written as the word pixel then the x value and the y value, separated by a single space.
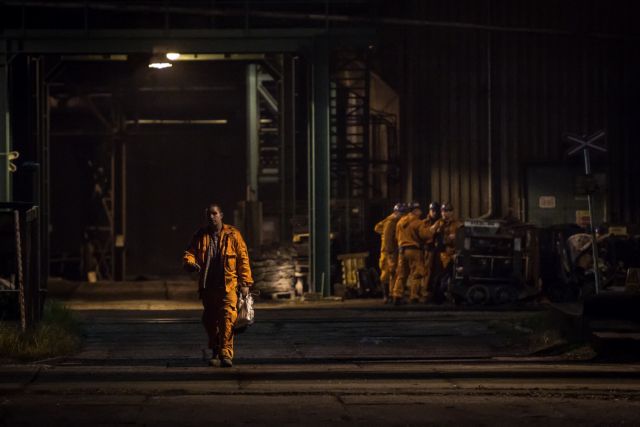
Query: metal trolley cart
pixel 495 263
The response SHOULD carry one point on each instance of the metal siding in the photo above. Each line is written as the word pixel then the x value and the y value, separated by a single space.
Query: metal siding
pixel 543 85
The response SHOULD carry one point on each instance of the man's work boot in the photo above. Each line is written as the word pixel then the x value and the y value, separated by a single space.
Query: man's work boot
pixel 214 361
pixel 226 363
pixel 398 301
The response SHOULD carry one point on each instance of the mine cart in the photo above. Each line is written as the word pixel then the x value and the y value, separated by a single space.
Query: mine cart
pixel 496 262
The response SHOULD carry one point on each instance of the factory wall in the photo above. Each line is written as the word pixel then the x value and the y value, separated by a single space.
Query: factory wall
pixel 480 105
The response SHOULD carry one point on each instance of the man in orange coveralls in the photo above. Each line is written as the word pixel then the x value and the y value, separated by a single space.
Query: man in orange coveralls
pixel 410 258
pixel 445 229
pixel 218 252
pixel 389 249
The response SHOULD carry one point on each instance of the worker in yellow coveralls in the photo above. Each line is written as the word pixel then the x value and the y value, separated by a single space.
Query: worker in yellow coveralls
pixel 430 252
pixel 389 249
pixel 218 252
pixel 444 232
pixel 410 258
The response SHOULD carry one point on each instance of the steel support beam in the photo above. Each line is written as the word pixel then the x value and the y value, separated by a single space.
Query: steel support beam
pixel 272 103
pixel 144 41
pixel 5 131
pixel 119 197
pixel 132 40
pixel 41 229
pixel 319 214
pixel 253 129
pixel 45 187
pixel 288 143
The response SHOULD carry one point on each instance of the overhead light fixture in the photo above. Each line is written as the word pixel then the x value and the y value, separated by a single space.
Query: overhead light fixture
pixel 159 62
pixel 173 56
pixel 177 122
pixel 160 65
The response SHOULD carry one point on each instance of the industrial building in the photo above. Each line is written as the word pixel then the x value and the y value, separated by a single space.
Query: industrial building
pixel 481 152
pixel 305 120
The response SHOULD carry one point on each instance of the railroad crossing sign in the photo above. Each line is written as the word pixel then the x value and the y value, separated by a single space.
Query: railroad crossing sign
pixel 586 143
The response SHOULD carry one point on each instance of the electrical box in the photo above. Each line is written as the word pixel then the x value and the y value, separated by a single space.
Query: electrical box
pixel 557 194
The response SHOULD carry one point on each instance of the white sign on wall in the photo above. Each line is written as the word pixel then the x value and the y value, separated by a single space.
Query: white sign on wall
pixel 547 202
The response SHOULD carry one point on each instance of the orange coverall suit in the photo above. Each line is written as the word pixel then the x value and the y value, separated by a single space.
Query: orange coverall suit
pixel 410 258
pixel 218 283
pixel 388 252
pixel 426 234
pixel 448 228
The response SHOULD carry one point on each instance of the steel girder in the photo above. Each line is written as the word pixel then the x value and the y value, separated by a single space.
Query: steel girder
pixel 190 41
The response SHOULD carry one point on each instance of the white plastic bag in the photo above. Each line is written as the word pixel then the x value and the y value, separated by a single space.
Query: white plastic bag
pixel 246 315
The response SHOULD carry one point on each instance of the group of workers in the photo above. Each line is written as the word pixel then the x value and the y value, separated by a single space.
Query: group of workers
pixel 415 251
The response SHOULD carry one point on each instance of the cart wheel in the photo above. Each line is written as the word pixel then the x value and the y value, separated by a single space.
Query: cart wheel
pixel 504 295
pixel 478 294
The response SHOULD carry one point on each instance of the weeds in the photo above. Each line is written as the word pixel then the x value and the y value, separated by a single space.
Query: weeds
pixel 58 334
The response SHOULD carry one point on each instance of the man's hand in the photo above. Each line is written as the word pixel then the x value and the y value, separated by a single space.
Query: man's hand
pixel 244 290
pixel 436 228
pixel 192 267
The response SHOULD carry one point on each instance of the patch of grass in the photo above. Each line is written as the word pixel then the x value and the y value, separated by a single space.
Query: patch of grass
pixel 58 334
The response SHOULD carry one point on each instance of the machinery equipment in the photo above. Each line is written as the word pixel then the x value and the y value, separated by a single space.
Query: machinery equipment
pixel 495 263
pixel 567 261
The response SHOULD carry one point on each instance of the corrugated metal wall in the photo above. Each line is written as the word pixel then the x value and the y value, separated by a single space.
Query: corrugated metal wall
pixel 571 66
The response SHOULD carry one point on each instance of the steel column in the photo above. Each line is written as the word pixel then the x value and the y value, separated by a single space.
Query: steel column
pixel 288 144
pixel 253 123
pixel 319 214
pixel 45 191
pixel 5 131
pixel 41 263
pixel 119 196
pixel 592 230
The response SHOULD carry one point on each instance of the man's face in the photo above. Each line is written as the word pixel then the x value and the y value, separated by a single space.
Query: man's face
pixel 447 214
pixel 433 213
pixel 214 216
pixel 417 212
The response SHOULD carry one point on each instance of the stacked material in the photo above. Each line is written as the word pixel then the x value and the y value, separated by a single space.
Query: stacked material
pixel 273 271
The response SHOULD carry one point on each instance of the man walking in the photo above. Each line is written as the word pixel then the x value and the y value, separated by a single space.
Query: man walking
pixel 218 252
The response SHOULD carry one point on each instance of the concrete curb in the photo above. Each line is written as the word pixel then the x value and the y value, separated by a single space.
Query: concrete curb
pixel 118 291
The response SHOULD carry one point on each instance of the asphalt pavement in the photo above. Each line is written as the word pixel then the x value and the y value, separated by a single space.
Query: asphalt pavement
pixel 321 363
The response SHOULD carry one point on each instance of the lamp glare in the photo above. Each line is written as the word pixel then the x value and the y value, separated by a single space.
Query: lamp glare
pixel 160 65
